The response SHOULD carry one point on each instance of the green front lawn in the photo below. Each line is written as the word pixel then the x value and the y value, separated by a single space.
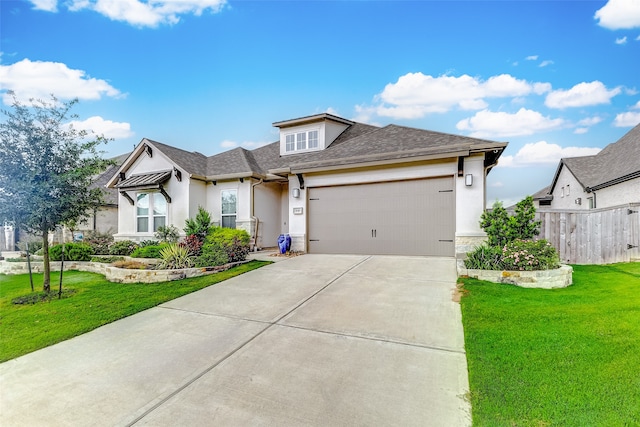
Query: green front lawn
pixel 563 357
pixel 25 328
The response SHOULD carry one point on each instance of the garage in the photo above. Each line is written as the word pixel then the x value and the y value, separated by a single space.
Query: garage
pixel 415 217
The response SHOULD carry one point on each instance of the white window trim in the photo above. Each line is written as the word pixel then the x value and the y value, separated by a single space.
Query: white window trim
pixel 150 217
pixel 306 141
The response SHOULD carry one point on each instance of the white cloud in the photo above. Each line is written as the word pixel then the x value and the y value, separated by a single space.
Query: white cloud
pixel 590 121
pixel 99 126
pixel 531 58
pixel 628 119
pixel 46 5
pixel 619 14
pixel 545 63
pixel 150 13
pixel 332 111
pixel 249 145
pixel 38 79
pixel 415 95
pixel 486 123
pixel 543 154
pixel 621 40
pixel 581 95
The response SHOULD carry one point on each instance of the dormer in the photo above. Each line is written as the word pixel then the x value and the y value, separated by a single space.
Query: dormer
pixel 311 133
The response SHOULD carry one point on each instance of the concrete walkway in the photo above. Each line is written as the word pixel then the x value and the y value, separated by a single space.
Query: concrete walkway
pixel 318 340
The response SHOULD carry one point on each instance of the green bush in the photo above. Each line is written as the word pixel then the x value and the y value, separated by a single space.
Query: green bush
pixel 200 226
pixel 100 242
pixel 34 245
pixel 235 242
pixel 212 254
pixel 123 247
pixel 501 228
pixel 72 252
pixel 144 243
pixel 529 255
pixel 484 257
pixel 175 256
pixel 168 234
pixel 106 259
pixel 151 251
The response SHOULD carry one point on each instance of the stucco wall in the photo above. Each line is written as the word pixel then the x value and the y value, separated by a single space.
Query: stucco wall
pixel 562 200
pixel 619 194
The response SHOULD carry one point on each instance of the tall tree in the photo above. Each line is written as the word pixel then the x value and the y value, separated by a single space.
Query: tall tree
pixel 46 169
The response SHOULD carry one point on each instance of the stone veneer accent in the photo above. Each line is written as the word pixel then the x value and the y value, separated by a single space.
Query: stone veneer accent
pixel 545 279
pixel 114 274
pixel 465 244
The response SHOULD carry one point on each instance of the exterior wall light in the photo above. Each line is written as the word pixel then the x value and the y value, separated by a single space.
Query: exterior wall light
pixel 468 180
pixel 296 193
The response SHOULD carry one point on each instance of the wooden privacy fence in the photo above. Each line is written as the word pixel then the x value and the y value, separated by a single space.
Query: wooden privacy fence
pixel 595 236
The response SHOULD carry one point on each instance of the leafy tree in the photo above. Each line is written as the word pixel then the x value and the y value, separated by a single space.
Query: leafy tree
pixel 46 169
pixel 522 225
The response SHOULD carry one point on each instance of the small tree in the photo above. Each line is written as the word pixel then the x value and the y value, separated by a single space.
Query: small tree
pixel 501 228
pixel 496 224
pixel 46 169
pixel 200 226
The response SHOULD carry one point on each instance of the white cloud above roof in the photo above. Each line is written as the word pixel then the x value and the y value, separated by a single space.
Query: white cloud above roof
pixel 100 126
pixel 542 153
pixel 489 124
pixel 581 95
pixel 139 13
pixel 619 14
pixel 415 95
pixel 38 79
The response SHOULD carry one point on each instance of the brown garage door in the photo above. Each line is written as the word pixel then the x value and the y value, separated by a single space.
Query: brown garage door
pixel 392 218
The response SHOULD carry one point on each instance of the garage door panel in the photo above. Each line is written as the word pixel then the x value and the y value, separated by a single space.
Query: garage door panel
pixel 395 218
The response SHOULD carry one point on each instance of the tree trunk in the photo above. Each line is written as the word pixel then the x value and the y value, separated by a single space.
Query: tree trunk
pixel 46 280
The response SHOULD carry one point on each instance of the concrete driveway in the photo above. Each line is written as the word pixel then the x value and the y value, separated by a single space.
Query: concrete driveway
pixel 318 340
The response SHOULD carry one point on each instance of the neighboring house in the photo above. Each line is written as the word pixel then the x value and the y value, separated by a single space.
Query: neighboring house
pixel 333 185
pixel 609 178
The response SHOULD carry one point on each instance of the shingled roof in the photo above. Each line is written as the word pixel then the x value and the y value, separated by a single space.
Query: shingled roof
pixel 110 196
pixel 617 162
pixel 358 144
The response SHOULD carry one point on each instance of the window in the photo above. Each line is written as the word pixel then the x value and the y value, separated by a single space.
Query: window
pixel 313 139
pixel 229 208
pixel 592 204
pixel 151 212
pixel 562 192
pixel 290 140
pixel 567 189
pixel 301 141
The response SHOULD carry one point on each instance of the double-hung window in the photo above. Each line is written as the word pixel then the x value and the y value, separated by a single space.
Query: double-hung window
pixel 151 212
pixel 229 208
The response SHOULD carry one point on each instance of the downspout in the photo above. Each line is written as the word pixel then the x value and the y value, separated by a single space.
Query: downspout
pixel 253 217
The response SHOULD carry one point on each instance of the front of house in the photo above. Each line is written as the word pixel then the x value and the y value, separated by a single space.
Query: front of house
pixel 333 185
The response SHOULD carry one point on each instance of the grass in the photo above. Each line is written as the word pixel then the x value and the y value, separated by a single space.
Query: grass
pixel 95 302
pixel 563 357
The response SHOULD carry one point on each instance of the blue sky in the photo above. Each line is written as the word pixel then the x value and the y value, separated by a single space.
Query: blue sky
pixel 553 78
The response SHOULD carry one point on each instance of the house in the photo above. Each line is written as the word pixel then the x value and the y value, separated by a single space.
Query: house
pixel 609 178
pixel 334 185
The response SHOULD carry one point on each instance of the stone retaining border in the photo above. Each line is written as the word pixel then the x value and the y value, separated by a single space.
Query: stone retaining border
pixel 545 279
pixel 115 274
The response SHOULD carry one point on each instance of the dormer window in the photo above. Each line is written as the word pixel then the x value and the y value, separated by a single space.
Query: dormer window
pixel 301 141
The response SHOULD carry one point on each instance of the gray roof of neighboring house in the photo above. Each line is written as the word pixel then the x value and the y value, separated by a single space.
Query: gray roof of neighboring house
pixel 617 162
pixel 542 194
pixel 110 194
pixel 358 143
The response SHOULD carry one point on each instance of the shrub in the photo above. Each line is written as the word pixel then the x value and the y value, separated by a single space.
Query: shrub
pixel 175 256
pixel 484 257
pixel 193 244
pixel 199 226
pixel 169 234
pixel 34 245
pixel 151 251
pixel 100 242
pixel 123 247
pixel 72 252
pixel 144 243
pixel 235 242
pixel 106 259
pixel 212 254
pixel 502 228
pixel 529 255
